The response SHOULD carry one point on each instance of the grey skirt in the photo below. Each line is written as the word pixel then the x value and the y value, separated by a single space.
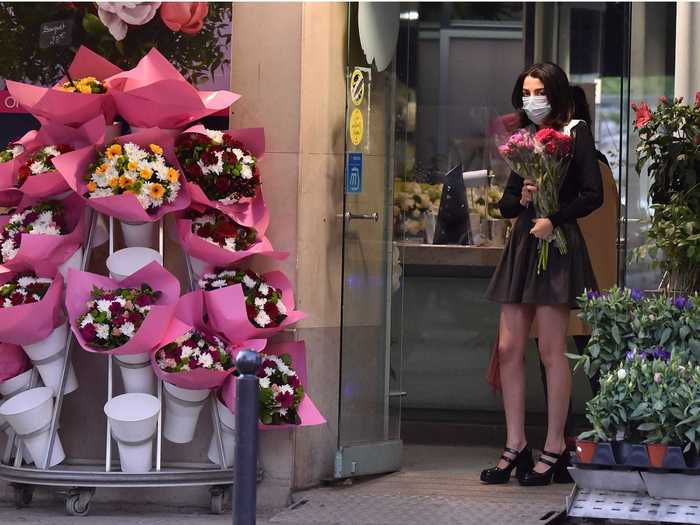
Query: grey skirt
pixel 515 280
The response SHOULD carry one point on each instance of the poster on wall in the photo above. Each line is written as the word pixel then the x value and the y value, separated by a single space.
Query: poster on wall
pixel 39 39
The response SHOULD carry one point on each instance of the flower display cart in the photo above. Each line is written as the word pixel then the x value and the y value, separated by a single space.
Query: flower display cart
pixel 82 478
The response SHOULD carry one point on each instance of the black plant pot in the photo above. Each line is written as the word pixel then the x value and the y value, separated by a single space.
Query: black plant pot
pixel 674 459
pixel 603 455
pixel 638 456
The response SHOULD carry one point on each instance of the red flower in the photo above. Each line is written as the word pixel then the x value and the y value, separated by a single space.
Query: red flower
pixel 89 333
pixel 663 99
pixel 293 381
pixel 697 98
pixel 643 114
pixel 285 399
pixel 271 310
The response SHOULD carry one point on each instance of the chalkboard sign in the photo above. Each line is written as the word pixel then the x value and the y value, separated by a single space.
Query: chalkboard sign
pixel 58 33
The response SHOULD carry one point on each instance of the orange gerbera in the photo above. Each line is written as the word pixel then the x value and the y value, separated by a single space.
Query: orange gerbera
pixel 155 148
pixel 114 149
pixel 157 191
pixel 146 174
pixel 91 186
pixel 114 183
pixel 132 165
pixel 124 181
pixel 173 175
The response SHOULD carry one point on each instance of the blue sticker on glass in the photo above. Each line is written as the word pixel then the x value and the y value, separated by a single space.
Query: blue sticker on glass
pixel 353 173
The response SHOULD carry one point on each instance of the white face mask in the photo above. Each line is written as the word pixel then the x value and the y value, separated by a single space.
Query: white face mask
pixel 537 108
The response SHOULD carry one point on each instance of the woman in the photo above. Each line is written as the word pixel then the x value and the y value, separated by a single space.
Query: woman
pixel 543 96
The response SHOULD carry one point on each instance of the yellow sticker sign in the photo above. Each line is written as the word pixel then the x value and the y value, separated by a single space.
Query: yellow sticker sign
pixel 356 127
pixel 357 87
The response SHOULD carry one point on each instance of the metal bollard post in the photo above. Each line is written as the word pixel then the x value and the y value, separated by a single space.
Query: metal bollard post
pixel 246 466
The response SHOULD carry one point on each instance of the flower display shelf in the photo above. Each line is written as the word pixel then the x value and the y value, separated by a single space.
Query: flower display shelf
pixel 82 477
pixel 644 496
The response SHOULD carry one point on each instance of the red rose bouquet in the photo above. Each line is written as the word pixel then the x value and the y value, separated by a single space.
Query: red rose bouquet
pixel 220 165
pixel 217 228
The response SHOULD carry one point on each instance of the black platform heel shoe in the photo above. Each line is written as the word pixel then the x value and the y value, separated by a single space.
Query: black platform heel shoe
pixel 521 462
pixel 556 472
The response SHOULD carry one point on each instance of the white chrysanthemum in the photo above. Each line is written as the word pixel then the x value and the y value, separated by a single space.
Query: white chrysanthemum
pixel 215 135
pixel 7 304
pixel 204 219
pixel 103 305
pixel 201 343
pixel 281 307
pixel 260 302
pixel 282 411
pixel 128 329
pixel 120 300
pixel 102 331
pixel 25 281
pixel 219 283
pixel 287 388
pixel 269 371
pixel 262 319
pixel 246 172
pixel 227 273
pixel 187 352
pixel 264 289
pixel 101 192
pixel 8 250
pixel 206 360
pixel 88 319
pixel 37 167
pixel 238 153
pixel 247 159
pixel 17 150
pixel 264 382
pixel 249 282
pixel 231 245
pixel 52 151
pixel 144 200
pixel 134 151
pixel 174 190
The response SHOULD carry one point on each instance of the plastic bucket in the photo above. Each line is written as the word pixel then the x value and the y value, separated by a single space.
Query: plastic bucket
pixel 138 233
pixel 29 414
pixel 123 263
pixel 228 437
pixel 47 357
pixel 182 409
pixel 13 386
pixel 133 418
pixel 137 374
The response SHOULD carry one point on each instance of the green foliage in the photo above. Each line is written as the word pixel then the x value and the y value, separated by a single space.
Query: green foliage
pixel 197 56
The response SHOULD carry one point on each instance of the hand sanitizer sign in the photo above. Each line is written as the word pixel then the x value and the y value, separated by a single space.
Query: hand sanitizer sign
pixel 353 173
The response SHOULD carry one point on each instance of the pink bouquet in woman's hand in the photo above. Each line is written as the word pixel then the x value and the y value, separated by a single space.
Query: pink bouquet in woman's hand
pixel 191 355
pixel 136 179
pixel 37 176
pixel 121 318
pixel 138 94
pixel 244 305
pixel 542 158
pixel 71 103
pixel 222 169
pixel 282 387
pixel 43 234
pixel 30 305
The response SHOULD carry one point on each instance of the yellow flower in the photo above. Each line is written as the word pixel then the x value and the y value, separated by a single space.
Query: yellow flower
pixel 87 80
pixel 83 88
pixel 132 165
pixel 146 174
pixel 157 191
pixel 91 186
pixel 155 148
pixel 124 181
pixel 115 149
pixel 173 175
pixel 114 183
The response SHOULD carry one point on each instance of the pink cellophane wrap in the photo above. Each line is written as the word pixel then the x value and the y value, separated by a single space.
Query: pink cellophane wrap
pixel 30 323
pixel 13 361
pixel 214 254
pixel 309 415
pixel 138 95
pixel 189 314
pixel 157 320
pixel 10 198
pixel 52 183
pixel 9 169
pixel 227 310
pixel 249 211
pixel 50 251
pixel 74 165
pixel 72 109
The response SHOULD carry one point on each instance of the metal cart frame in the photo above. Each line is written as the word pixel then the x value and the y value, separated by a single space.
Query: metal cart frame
pixel 82 478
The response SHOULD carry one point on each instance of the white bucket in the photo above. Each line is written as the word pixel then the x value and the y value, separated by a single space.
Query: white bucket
pixel 133 418
pixel 199 267
pixel 13 386
pixel 123 263
pixel 228 437
pixel 182 409
pixel 138 233
pixel 137 374
pixel 47 357
pixel 74 261
pixel 6 429
pixel 112 131
pixel 29 414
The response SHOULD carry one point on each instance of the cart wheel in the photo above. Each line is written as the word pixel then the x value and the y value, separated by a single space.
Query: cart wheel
pixel 216 503
pixel 23 495
pixel 78 504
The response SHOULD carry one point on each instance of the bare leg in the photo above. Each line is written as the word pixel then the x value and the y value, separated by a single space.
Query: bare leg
pixel 512 336
pixel 553 320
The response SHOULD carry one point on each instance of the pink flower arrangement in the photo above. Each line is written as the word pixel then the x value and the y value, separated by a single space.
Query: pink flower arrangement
pixel 219 229
pixel 280 390
pixel 25 288
pixel 46 218
pixel 113 317
pixel 194 350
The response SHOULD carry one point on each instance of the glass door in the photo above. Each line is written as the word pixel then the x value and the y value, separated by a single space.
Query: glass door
pixel 370 393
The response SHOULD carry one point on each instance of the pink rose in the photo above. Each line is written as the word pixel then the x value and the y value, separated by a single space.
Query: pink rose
pixel 187 17
pixel 117 16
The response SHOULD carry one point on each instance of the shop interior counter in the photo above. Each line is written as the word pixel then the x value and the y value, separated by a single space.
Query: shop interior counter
pixel 448 260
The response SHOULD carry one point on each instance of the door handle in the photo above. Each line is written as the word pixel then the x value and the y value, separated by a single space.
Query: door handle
pixel 361 216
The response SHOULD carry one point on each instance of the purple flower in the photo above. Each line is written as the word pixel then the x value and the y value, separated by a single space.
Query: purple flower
pixel 593 295
pixel 629 356
pixel 681 302
pixel 660 353
pixel 636 294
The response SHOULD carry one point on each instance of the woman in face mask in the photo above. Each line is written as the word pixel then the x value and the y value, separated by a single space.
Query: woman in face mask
pixel 543 96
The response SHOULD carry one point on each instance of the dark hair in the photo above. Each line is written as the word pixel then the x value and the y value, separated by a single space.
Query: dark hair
pixel 557 88
pixel 582 110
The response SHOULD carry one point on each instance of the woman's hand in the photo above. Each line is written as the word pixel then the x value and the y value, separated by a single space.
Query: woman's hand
pixel 543 229
pixel 529 188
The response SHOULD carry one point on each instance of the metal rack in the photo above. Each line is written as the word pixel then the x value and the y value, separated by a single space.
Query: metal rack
pixel 82 478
